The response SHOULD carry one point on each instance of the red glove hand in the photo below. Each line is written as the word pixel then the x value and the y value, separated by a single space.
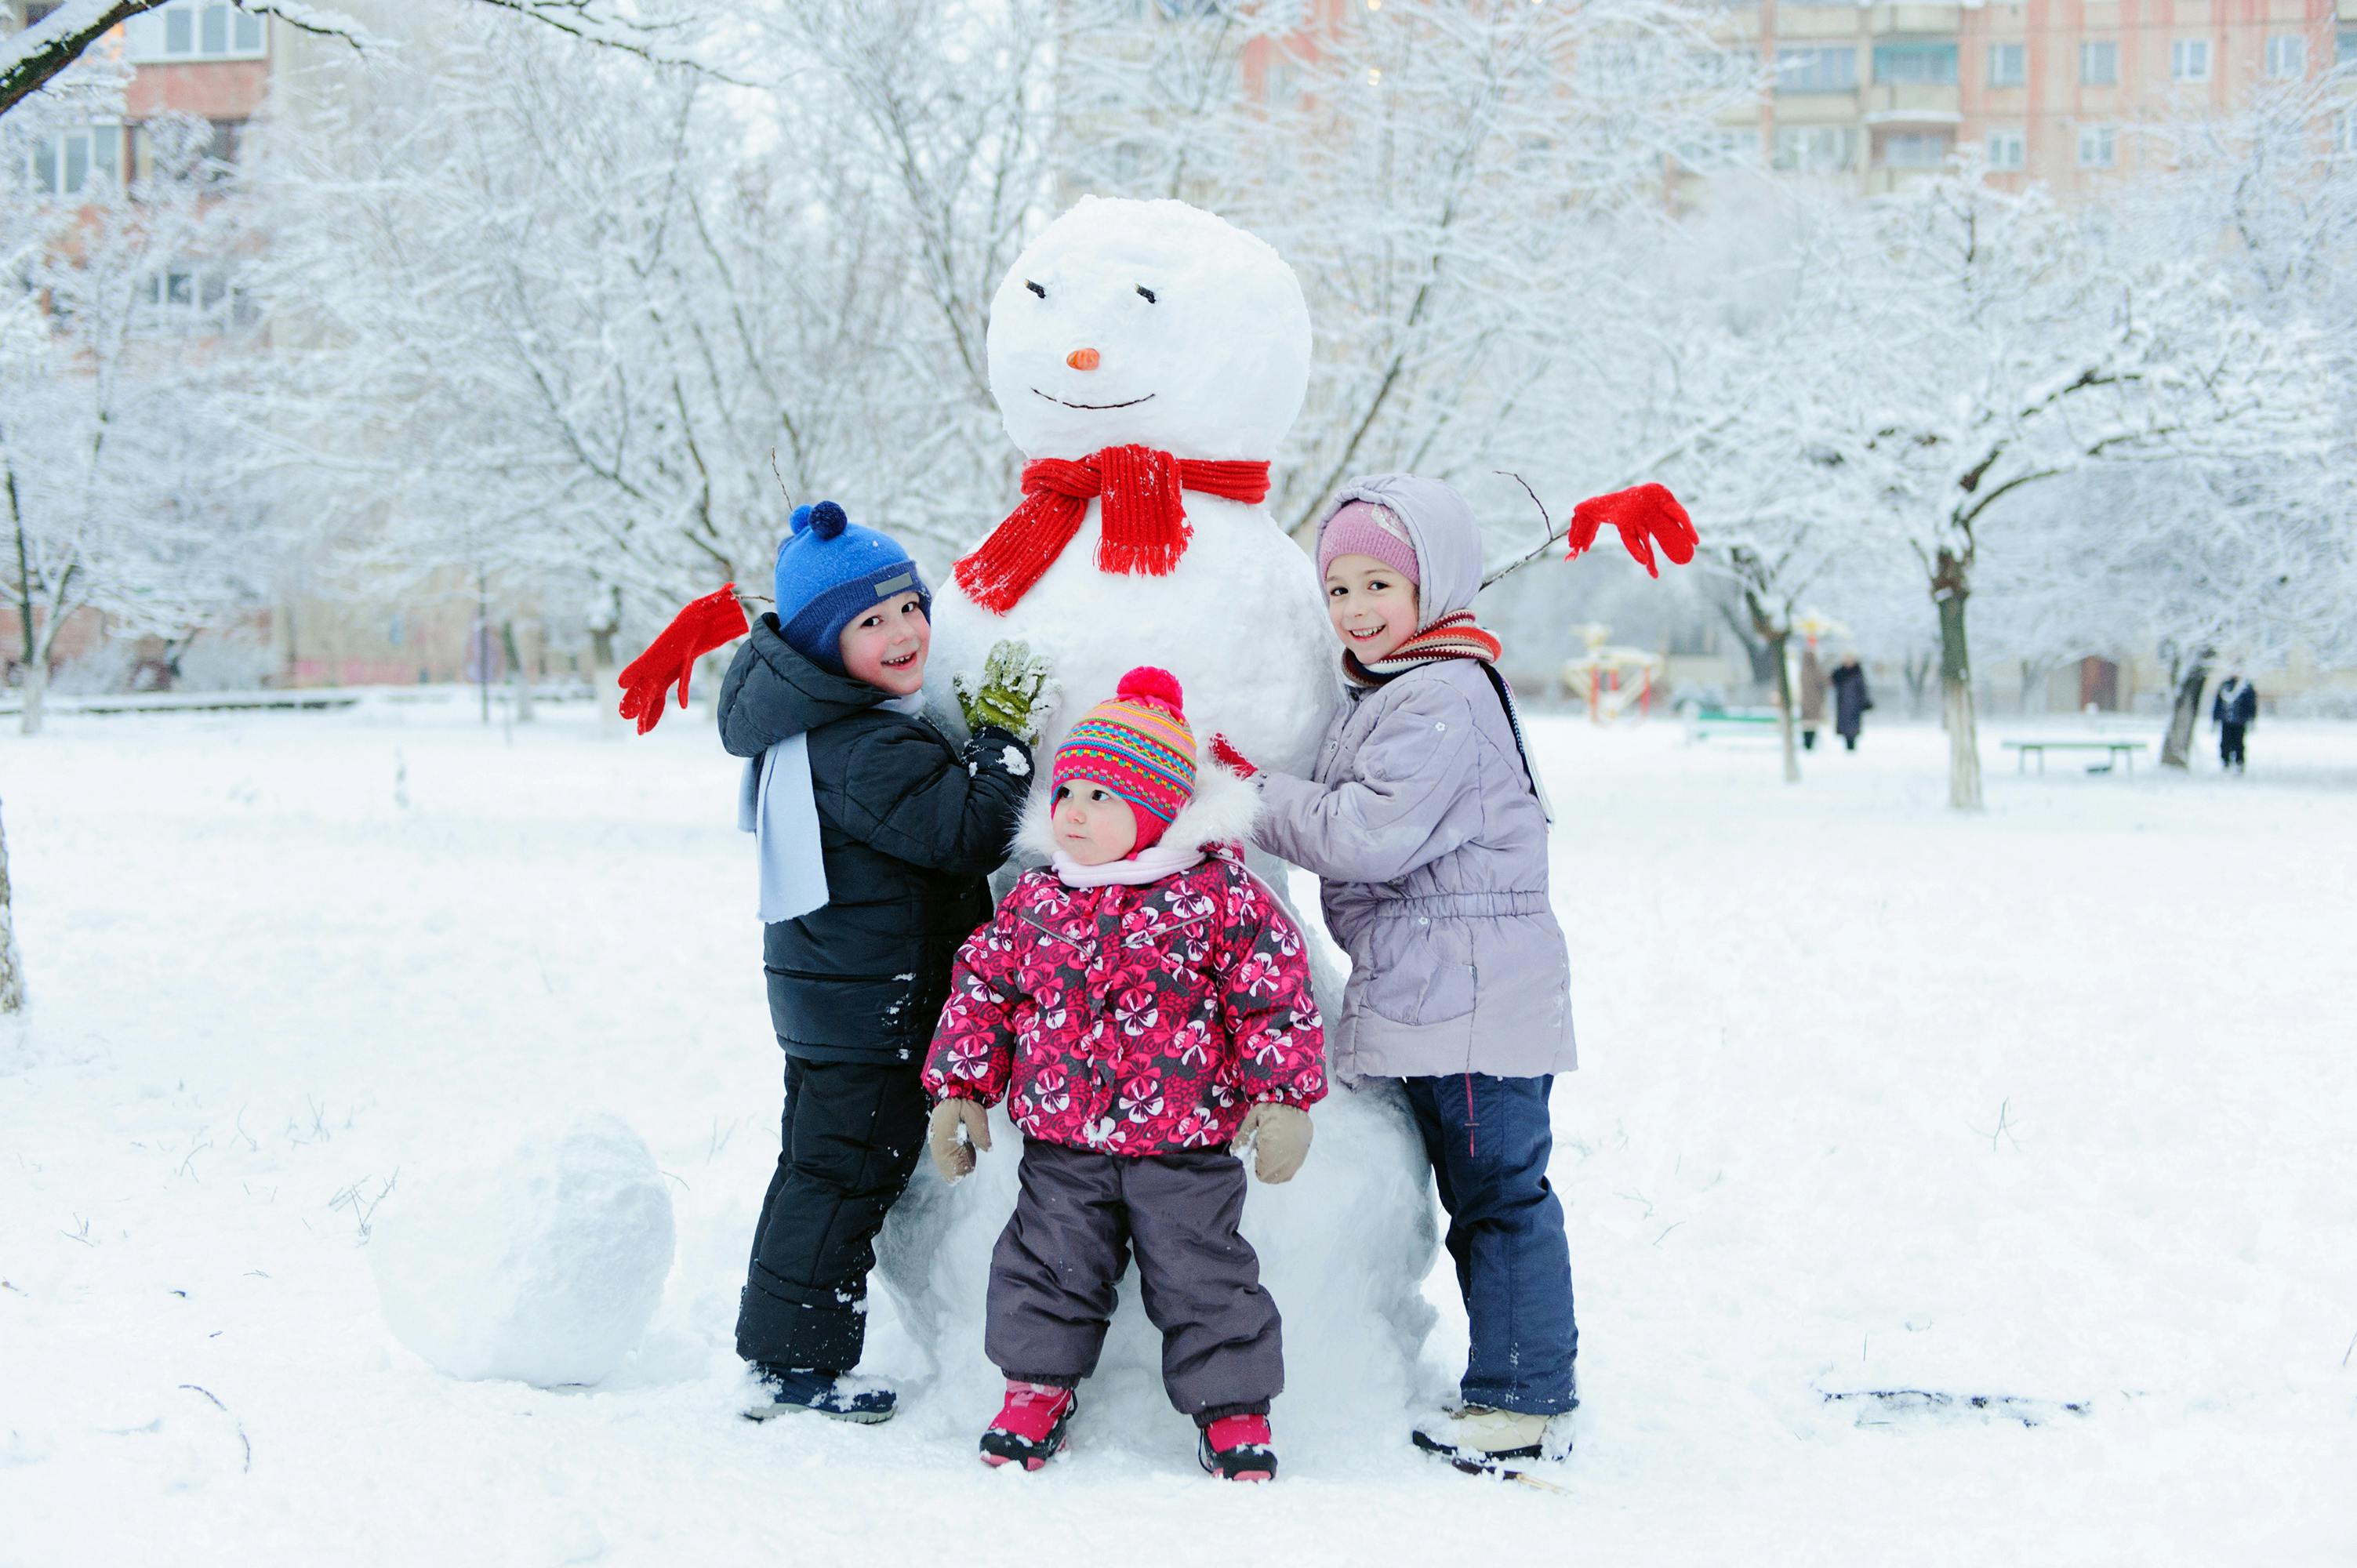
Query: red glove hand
pixel 1645 515
pixel 1229 758
pixel 704 625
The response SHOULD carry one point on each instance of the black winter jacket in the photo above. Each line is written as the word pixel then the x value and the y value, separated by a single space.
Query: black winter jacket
pixel 910 828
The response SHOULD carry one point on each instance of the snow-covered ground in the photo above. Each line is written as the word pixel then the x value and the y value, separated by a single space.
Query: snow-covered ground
pixel 2054 1104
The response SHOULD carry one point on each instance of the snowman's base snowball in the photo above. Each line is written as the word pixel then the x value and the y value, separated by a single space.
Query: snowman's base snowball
pixel 543 1266
pixel 1344 1249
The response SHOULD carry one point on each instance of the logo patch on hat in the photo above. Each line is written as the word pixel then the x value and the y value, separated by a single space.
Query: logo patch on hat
pixel 899 584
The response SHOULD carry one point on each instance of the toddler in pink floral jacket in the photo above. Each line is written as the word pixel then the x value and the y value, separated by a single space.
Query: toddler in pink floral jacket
pixel 1144 1003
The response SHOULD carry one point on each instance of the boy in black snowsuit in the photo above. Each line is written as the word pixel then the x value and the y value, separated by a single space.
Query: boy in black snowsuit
pixel 876 835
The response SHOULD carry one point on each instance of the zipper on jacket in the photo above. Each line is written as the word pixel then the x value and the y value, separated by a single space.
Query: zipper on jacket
pixel 1072 942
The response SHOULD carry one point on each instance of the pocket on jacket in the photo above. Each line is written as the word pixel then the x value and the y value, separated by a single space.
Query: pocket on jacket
pixel 853 1010
pixel 1420 968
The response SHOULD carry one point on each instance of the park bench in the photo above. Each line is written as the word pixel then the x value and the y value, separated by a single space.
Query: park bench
pixel 1704 722
pixel 2113 750
pixel 301 699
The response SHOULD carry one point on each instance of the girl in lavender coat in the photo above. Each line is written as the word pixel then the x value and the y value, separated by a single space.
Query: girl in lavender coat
pixel 1428 827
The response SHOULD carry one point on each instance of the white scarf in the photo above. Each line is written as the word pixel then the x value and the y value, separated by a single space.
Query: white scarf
pixel 1152 863
pixel 778 804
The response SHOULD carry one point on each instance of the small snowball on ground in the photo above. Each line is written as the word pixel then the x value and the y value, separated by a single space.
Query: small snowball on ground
pixel 543 1266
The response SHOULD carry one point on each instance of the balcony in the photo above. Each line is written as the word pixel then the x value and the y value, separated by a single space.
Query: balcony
pixel 1911 103
pixel 1883 20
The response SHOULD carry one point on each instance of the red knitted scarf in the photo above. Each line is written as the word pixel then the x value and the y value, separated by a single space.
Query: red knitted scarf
pixel 1145 523
pixel 1451 637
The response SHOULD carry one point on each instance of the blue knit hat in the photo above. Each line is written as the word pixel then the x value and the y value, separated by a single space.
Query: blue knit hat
pixel 831 572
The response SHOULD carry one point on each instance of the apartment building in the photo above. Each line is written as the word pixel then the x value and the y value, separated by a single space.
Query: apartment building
pixel 2052 91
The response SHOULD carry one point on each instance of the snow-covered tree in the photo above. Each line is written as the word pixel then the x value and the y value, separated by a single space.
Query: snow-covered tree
pixel 572 313
pixel 2263 555
pixel 1458 186
pixel 31 60
pixel 2016 345
pixel 117 387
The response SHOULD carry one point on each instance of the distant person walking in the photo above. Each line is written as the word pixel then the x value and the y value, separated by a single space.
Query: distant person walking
pixel 1850 700
pixel 1813 698
pixel 2234 710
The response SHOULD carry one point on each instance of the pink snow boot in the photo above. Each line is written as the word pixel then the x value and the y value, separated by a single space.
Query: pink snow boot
pixel 1236 1447
pixel 1029 1427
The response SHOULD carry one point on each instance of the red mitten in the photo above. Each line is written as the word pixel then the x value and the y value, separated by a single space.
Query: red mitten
pixel 704 625
pixel 1229 758
pixel 1645 515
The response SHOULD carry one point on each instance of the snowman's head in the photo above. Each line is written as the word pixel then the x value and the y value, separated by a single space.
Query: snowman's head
pixel 1151 324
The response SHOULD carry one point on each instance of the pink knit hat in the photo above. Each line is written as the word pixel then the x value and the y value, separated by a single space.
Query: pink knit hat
pixel 1362 528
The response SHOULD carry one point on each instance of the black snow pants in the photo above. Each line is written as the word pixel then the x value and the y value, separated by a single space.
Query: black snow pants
pixel 1068 1243
pixel 2230 745
pixel 849 1140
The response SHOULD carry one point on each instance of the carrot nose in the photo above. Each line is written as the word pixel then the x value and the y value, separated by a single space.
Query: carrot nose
pixel 1081 359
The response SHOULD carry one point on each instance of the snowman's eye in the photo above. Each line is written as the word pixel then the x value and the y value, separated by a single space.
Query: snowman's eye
pixel 1146 292
pixel 1035 289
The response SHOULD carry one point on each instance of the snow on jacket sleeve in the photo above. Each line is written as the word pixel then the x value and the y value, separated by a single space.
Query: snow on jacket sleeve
pixel 1267 1009
pixel 900 792
pixel 1397 811
pixel 973 1045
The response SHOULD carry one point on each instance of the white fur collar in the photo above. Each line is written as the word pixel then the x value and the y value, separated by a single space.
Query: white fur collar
pixel 1221 812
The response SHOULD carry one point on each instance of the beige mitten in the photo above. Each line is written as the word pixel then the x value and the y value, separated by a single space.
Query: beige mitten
pixel 1279 1137
pixel 953 1156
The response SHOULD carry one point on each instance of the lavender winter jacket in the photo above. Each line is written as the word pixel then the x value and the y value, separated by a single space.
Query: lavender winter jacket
pixel 1432 844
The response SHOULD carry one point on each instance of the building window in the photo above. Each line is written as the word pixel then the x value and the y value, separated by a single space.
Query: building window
pixel 1914 150
pixel 1816 70
pixel 2008 150
pixel 66 164
pixel 37 11
pixel 2344 137
pixel 194 30
pixel 196 300
pixel 2099 64
pixel 2008 65
pixel 1915 64
pixel 2286 56
pixel 1724 148
pixel 2348 51
pixel 2188 59
pixel 2098 146
pixel 1814 150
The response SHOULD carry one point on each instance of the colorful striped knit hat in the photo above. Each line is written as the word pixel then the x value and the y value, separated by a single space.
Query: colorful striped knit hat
pixel 1139 747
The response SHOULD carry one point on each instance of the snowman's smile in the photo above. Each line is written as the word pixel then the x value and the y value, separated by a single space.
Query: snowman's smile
pixel 1133 403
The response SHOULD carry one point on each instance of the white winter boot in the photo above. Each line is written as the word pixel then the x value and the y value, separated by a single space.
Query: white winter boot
pixel 1476 1435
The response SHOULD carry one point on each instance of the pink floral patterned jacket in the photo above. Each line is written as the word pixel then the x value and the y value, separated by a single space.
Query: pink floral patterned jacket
pixel 1133 1020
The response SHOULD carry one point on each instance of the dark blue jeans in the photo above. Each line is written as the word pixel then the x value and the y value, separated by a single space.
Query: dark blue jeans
pixel 1488 1139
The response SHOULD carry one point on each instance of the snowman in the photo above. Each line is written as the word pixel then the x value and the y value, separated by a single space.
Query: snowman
pixel 1149 359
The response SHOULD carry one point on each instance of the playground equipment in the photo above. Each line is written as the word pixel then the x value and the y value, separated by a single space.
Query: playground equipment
pixel 1612 679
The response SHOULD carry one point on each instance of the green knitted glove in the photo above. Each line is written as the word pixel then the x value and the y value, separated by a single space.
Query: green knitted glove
pixel 1016 693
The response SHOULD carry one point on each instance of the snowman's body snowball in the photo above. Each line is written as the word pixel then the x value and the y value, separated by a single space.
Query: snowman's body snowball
pixel 1213 366
pixel 543 1266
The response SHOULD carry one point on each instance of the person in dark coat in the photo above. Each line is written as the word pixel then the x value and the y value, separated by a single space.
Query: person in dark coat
pixel 1850 700
pixel 2234 710
pixel 877 834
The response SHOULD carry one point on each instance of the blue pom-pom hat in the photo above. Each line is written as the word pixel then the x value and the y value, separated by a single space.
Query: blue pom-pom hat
pixel 831 572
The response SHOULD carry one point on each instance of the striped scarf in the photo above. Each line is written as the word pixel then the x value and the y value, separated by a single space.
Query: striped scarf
pixel 1451 637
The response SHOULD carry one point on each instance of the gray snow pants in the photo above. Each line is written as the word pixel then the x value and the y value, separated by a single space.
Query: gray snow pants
pixel 1065 1247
